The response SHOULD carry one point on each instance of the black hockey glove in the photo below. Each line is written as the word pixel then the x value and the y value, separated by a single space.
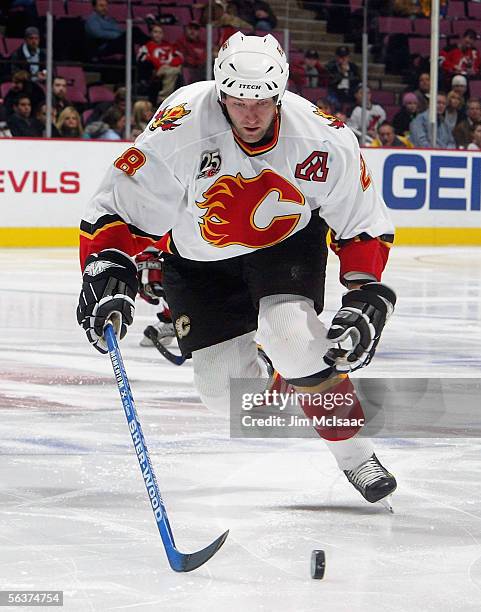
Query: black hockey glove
pixel 357 326
pixel 108 292
pixel 149 273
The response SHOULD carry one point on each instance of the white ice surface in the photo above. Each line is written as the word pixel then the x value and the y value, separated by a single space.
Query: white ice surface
pixel 73 509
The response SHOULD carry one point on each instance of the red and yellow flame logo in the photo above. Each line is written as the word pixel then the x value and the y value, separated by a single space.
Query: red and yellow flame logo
pixel 335 121
pixel 166 118
pixel 231 204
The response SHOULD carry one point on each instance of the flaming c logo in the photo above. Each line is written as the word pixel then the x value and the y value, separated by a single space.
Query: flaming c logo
pixel 166 118
pixel 231 204
pixel 335 121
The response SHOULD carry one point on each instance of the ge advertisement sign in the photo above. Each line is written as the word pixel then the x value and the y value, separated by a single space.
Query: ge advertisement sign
pixel 429 188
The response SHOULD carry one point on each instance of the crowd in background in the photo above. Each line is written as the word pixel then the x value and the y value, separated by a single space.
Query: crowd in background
pixel 163 65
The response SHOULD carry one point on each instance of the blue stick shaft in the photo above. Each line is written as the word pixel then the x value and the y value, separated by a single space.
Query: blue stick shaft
pixel 179 562
pixel 138 440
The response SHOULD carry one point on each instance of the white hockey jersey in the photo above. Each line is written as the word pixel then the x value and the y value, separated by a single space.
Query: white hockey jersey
pixel 217 197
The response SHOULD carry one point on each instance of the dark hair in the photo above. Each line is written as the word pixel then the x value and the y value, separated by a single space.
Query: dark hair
pixel 112 116
pixel 16 100
pixel 120 94
pixel 155 24
pixel 384 124
pixel 21 76
pixel 474 99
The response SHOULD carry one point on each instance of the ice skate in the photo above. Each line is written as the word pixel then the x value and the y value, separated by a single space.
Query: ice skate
pixel 373 481
pixel 165 334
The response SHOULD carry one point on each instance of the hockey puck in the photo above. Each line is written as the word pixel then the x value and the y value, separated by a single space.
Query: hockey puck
pixel 318 564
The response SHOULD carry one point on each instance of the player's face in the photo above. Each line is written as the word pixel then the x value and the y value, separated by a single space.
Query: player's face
pixel 251 119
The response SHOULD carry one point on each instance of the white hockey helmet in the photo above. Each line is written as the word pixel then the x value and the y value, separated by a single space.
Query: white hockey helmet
pixel 252 67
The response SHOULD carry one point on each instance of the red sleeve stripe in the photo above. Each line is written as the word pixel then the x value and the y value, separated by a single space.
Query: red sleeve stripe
pixel 165 244
pixel 368 256
pixel 90 230
pixel 386 239
pixel 116 235
pixel 89 236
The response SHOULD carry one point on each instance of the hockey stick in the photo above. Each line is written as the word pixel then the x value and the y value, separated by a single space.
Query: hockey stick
pixel 179 562
pixel 151 334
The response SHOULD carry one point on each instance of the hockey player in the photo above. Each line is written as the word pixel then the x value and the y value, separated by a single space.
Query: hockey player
pixel 149 272
pixel 242 180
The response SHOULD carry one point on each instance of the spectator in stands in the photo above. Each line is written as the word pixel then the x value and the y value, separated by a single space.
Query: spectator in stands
pixel 459 84
pixel 375 115
pixel 104 33
pixel 59 91
pixel 160 64
pixel 475 144
pixel 99 26
pixel 4 129
pixel 386 137
pixel 21 123
pixel 217 12
pixel 110 127
pixel 69 123
pixel 419 128
pixel 223 14
pixel 29 56
pixel 115 119
pixel 21 83
pixel 422 92
pixel 309 72
pixel 407 8
pixel 463 58
pixel 120 97
pixel 265 17
pixel 426 7
pixel 454 110
pixel 463 131
pixel 142 114
pixel 326 106
pixel 258 13
pixel 343 76
pixel 403 118
pixel 193 50
pixel 41 117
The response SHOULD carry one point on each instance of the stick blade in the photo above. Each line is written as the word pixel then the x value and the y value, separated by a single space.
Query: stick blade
pixel 181 562
pixel 151 334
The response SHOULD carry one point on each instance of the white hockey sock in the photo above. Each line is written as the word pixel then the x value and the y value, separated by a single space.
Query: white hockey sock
pixel 349 454
pixel 215 365
pixel 292 335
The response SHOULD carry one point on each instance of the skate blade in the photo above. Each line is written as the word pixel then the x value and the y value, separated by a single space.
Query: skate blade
pixel 386 502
